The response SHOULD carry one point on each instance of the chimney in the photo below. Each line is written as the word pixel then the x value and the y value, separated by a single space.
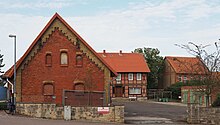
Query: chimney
pixel 103 53
pixel 120 52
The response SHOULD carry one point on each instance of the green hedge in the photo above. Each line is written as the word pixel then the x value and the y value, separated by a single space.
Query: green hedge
pixel 176 88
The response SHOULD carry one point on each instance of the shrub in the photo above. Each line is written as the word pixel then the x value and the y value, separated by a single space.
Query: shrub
pixel 216 103
pixel 175 89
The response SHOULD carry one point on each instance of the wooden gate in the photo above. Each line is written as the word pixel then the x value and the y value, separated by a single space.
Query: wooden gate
pixel 83 98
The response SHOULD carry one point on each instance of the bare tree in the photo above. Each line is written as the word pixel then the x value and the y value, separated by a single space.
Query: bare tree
pixel 90 85
pixel 211 60
pixel 1 63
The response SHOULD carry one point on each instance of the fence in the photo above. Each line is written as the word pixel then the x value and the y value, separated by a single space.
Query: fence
pixel 158 94
pixel 83 98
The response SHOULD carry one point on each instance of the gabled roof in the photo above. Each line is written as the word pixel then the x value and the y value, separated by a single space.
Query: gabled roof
pixel 187 65
pixel 126 62
pixel 10 72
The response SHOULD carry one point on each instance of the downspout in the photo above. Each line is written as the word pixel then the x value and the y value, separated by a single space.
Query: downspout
pixel 12 86
pixel 109 92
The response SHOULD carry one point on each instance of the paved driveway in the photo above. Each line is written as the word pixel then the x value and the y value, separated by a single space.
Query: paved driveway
pixel 174 112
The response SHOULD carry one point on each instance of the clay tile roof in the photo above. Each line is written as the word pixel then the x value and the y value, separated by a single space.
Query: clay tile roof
pixel 10 72
pixel 126 62
pixel 187 65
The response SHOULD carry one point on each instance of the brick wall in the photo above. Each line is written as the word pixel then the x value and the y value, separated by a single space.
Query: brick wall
pixel 168 76
pixel 36 73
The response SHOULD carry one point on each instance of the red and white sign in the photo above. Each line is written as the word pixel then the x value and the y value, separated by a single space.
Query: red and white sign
pixel 103 110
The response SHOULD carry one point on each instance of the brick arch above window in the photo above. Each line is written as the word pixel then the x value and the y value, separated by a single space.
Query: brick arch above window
pixel 79 85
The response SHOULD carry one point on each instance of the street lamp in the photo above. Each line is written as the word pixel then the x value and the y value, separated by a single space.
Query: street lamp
pixel 14 87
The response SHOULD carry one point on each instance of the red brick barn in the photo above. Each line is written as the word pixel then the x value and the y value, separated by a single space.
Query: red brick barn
pixel 182 69
pixel 132 70
pixel 57 62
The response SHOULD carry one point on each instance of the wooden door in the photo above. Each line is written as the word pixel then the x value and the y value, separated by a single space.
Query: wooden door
pixel 118 91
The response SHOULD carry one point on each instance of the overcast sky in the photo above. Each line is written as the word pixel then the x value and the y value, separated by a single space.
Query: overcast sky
pixel 113 25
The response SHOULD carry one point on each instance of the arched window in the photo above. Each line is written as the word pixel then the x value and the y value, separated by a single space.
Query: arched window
pixel 63 58
pixel 79 60
pixel 48 60
pixel 48 89
pixel 79 86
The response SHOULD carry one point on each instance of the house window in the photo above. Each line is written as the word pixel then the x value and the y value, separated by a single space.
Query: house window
pixel 184 78
pixel 134 91
pixel 138 76
pixel 191 78
pixel 63 58
pixel 179 78
pixel 118 79
pixel 79 60
pixel 48 60
pixel 48 89
pixel 130 76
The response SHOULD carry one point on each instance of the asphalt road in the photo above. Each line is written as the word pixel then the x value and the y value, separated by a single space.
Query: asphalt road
pixel 174 112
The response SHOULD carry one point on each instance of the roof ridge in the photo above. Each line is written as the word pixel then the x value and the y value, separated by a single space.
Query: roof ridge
pixel 10 72
pixel 179 57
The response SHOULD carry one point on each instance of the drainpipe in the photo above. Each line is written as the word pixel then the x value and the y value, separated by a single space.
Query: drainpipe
pixel 109 92
pixel 12 99
pixel 12 86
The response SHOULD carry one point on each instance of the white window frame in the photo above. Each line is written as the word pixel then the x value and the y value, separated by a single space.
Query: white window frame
pixel 118 78
pixel 184 78
pixel 191 78
pixel 64 58
pixel 180 78
pixel 139 76
pixel 135 90
pixel 130 77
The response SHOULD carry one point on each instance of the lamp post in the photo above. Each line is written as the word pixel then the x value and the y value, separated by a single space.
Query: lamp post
pixel 14 87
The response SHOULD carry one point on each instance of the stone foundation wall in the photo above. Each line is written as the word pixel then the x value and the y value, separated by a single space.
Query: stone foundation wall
pixel 51 111
pixel 203 115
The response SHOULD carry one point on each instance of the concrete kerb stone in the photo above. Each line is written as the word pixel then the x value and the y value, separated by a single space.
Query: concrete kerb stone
pixel 168 103
pixel 147 120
